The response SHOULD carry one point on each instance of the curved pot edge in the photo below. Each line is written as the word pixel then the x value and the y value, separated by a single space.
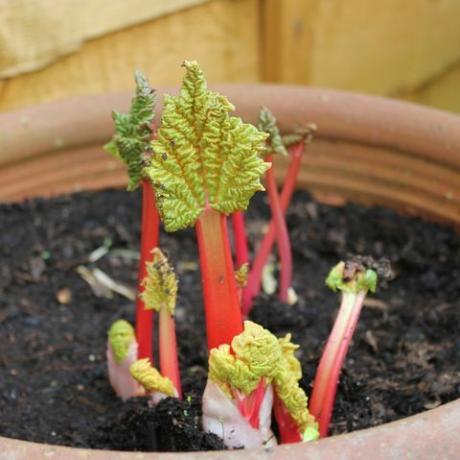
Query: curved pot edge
pixel 338 115
pixel 431 434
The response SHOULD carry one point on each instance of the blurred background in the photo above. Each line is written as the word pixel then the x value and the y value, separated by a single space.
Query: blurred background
pixel 407 49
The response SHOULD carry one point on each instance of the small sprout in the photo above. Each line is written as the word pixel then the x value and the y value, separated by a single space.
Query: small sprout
pixel 160 293
pixel 121 336
pixel 267 123
pixel 134 131
pixel 241 275
pixel 354 278
pixel 121 353
pixel 160 284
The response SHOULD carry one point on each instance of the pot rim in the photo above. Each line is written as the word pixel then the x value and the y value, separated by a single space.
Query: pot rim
pixel 34 131
pixel 340 115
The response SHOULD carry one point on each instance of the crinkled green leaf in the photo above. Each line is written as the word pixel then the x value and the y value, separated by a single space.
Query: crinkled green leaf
pixel 267 123
pixel 202 155
pixel 134 130
pixel 362 279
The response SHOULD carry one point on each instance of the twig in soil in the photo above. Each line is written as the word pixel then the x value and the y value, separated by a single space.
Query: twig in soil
pixel 103 285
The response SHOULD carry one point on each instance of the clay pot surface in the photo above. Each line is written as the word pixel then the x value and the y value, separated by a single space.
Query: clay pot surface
pixel 367 149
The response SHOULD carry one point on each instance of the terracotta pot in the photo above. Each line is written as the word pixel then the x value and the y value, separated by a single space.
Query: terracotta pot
pixel 368 149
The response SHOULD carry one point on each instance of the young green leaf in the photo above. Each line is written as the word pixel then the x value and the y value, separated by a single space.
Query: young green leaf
pixel 267 123
pixel 121 335
pixel 134 130
pixel 203 157
pixel 160 284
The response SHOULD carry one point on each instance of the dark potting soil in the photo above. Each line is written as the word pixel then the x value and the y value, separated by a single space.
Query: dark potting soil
pixel 53 379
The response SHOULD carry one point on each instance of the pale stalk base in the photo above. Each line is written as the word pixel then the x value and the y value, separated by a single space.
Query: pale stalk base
pixel 120 378
pixel 222 417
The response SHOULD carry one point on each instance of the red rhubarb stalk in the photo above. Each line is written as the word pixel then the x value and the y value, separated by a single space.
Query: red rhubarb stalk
pixel 282 235
pixel 241 241
pixel 169 364
pixel 255 275
pixel 354 281
pixel 287 427
pixel 160 293
pixel 149 240
pixel 222 307
pixel 131 143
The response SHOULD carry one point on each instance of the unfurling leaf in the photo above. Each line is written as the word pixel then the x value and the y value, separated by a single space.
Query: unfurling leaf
pixel 121 335
pixel 160 284
pixel 134 130
pixel 151 379
pixel 267 123
pixel 203 156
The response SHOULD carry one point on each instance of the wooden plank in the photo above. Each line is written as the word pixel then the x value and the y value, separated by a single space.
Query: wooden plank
pixel 287 40
pixel 37 32
pixel 441 93
pixel 382 47
pixel 223 35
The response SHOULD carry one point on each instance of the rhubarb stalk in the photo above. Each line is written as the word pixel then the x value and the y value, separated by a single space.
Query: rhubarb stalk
pixel 149 240
pixel 160 294
pixel 222 306
pixel 131 143
pixel 282 236
pixel 241 240
pixel 205 165
pixel 354 280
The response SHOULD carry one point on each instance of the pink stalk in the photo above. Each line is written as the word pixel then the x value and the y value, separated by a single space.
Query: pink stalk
pixel 327 376
pixel 222 305
pixel 241 241
pixel 288 430
pixel 282 235
pixel 149 240
pixel 255 275
pixel 249 406
pixel 169 364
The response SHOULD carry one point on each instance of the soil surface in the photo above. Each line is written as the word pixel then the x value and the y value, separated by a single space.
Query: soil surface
pixel 53 382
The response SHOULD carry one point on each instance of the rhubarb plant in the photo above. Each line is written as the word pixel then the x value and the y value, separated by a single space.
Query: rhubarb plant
pixel 354 280
pixel 131 143
pixel 205 165
pixel 202 165
pixel 294 145
pixel 267 123
pixel 245 378
pixel 121 354
pixel 160 293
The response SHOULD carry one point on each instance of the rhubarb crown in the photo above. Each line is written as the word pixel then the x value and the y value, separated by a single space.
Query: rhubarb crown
pixel 202 156
pixel 160 284
pixel 121 336
pixel 352 277
pixel 149 377
pixel 256 354
pixel 133 131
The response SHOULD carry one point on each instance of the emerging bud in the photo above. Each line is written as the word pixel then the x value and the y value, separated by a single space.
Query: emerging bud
pixel 243 380
pixel 121 353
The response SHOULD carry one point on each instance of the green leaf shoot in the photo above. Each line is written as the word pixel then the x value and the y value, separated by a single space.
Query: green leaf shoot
pixel 203 157
pixel 133 131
